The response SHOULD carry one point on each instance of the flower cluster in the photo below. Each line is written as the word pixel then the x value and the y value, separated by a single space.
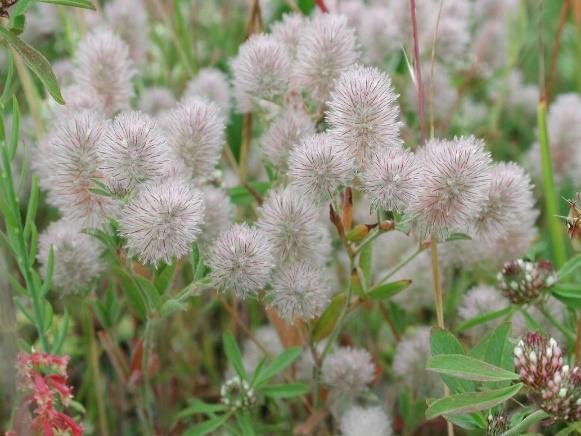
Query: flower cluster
pixel 539 362
pixel 237 394
pixel 43 383
pixel 523 281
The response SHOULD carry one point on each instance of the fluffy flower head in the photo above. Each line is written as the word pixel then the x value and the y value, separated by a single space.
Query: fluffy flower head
pixel 103 63
pixel 241 260
pixel 133 150
pixel 76 256
pixel 212 84
pixel 391 178
pixel 283 134
pixel 348 370
pixel 261 71
pixel 454 181
pixel 363 112
pixel 299 290
pixel 370 421
pixel 162 220
pixel 326 48
pixel 317 168
pixel 195 134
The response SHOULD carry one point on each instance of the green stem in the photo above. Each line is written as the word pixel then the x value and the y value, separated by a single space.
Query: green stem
pixel 398 267
pixel 568 334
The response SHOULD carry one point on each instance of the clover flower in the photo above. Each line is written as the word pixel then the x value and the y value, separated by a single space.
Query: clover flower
pixel 78 98
pixel 237 394
pixel 283 134
pixel 538 360
pixel 291 224
pixel 363 112
pixel 195 135
pixel 218 214
pixel 369 421
pixel 317 168
pixel 348 370
pixel 76 256
pixel 510 198
pixel 212 84
pixel 289 31
pixel 326 48
pixel 299 290
pixel 409 363
pixel 390 179
pixel 454 181
pixel 161 220
pixel 156 99
pixel 69 164
pixel 261 71
pixel 523 281
pixel 378 40
pixel 565 402
pixel 129 20
pixel 103 63
pixel 133 150
pixel 241 260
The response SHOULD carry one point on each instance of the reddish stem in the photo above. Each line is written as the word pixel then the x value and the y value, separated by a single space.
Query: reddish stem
pixel 322 6
pixel 419 83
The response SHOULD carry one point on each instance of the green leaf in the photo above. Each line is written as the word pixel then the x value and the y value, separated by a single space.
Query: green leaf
pixel 49 270
pixel 285 391
pixel 468 368
pixel 469 402
pixel 132 292
pixel 472 421
pixel 278 364
pixel 164 276
pixel 172 306
pixel 328 319
pixel 240 195
pixel 570 266
pixel 35 61
pixel 245 423
pixel 207 426
pixel 83 4
pixel 485 317
pixel 150 291
pixel 233 354
pixel 458 237
pixel 61 335
pixel 199 407
pixel 388 290
pixel 495 348
pixel 365 263
pixel 20 7
pixel 444 342
pixel 522 426
pixel 568 293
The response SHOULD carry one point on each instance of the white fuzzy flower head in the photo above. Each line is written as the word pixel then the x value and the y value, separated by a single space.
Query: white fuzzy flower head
pixel 510 197
pixel 241 260
pixel 218 214
pixel 454 181
pixel 78 98
pixel 410 359
pixel 326 48
pixel 268 337
pixel 299 290
pixel 291 224
pixel 155 100
pixel 133 150
pixel 378 40
pixel 390 179
pixel 70 162
pixel 103 63
pixel 76 256
pixel 128 19
pixel 348 370
pixel 289 31
pixel 283 134
pixel 261 71
pixel 162 220
pixel 212 84
pixel 363 112
pixel 195 134
pixel 477 301
pixel 317 168
pixel 369 421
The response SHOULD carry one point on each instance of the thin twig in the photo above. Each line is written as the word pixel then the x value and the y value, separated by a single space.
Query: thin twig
pixel 557 45
pixel 389 321
pixel 419 83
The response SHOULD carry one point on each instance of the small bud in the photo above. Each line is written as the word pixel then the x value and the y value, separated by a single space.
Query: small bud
pixel 357 233
pixel 523 281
